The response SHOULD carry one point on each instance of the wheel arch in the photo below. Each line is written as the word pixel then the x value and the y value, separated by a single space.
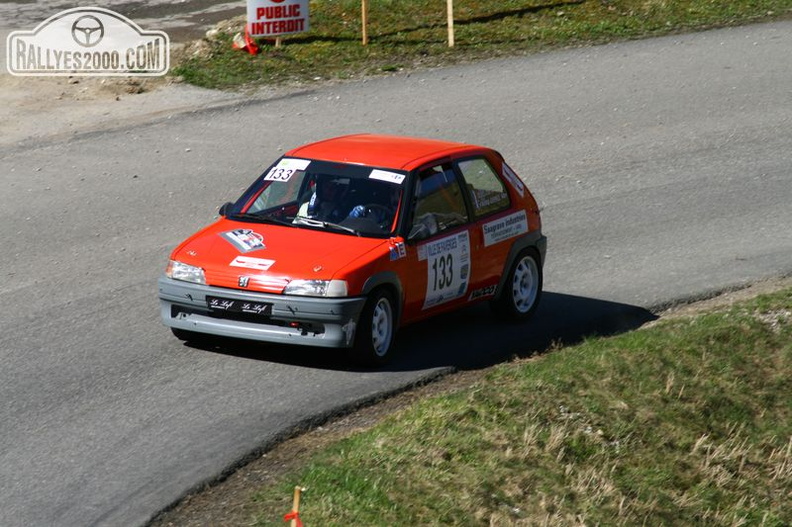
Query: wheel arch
pixel 533 240
pixel 390 281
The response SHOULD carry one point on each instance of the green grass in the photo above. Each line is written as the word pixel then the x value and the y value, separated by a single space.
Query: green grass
pixel 688 422
pixel 407 34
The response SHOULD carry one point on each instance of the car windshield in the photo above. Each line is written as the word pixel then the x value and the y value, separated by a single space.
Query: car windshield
pixel 350 199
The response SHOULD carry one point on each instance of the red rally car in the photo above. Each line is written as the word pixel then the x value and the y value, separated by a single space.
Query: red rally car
pixel 341 242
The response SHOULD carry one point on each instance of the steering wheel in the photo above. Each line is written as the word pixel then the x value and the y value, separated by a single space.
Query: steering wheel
pixel 380 211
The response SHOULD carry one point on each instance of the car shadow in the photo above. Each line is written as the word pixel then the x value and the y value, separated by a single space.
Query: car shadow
pixel 472 338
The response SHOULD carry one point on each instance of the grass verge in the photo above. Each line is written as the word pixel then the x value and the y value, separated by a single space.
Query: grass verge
pixel 688 422
pixel 408 34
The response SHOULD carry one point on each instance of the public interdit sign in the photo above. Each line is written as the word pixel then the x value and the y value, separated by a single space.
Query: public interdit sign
pixel 275 18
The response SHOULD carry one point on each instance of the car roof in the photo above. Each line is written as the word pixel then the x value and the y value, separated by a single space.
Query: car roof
pixel 387 151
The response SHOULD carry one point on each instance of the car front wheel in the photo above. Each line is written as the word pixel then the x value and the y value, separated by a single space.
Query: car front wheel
pixel 522 289
pixel 376 329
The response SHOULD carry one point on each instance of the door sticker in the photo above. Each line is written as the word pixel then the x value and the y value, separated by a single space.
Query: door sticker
pixel 447 268
pixel 505 228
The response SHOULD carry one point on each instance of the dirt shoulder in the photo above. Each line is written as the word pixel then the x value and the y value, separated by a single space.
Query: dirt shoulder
pixel 35 109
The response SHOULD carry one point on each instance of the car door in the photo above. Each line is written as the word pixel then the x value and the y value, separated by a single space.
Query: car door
pixel 438 244
pixel 494 221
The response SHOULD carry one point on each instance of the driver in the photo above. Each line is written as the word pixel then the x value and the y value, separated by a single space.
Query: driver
pixel 326 202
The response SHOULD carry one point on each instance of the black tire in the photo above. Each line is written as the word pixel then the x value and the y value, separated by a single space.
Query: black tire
pixel 376 329
pixel 522 289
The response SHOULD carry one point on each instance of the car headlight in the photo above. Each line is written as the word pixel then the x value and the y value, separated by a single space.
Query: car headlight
pixel 316 288
pixel 185 272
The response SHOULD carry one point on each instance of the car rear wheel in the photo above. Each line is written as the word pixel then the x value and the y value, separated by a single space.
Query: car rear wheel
pixel 522 289
pixel 376 329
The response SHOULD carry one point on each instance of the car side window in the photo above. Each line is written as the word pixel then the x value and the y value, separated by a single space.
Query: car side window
pixel 487 192
pixel 439 204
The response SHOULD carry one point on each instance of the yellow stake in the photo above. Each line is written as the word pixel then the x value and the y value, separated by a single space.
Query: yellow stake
pixel 296 504
pixel 364 20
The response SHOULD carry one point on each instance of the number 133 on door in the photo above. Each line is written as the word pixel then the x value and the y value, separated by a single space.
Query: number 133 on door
pixel 447 267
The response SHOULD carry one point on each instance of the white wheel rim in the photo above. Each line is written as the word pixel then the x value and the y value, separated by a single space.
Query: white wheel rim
pixel 525 285
pixel 381 327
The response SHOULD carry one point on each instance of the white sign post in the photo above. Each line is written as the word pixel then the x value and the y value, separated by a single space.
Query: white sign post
pixel 276 18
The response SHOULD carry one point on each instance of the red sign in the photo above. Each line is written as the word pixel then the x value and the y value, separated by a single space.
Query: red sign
pixel 274 18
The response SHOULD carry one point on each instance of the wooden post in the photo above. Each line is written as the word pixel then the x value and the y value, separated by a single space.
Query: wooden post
pixel 364 20
pixel 296 506
pixel 278 42
pixel 450 23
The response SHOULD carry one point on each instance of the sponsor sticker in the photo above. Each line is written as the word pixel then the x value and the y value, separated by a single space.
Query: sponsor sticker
pixel 397 250
pixel 246 240
pixel 483 292
pixel 514 179
pixel 447 268
pixel 384 175
pixel 286 168
pixel 505 228
pixel 488 198
pixel 259 264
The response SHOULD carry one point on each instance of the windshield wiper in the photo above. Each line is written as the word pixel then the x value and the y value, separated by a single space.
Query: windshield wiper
pixel 260 218
pixel 302 220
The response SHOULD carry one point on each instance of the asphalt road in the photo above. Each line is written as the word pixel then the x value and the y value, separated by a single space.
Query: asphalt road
pixel 663 167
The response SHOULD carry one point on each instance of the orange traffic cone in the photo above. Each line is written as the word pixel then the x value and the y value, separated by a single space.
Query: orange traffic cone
pixel 245 43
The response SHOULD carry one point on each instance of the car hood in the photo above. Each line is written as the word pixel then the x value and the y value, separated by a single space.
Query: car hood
pixel 267 257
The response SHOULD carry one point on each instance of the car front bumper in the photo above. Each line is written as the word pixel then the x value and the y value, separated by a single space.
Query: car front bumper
pixel 309 321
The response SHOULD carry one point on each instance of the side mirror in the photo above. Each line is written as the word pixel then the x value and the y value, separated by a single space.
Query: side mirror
pixel 418 232
pixel 425 226
pixel 224 208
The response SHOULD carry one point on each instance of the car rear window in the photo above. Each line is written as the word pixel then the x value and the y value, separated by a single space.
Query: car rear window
pixel 487 192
